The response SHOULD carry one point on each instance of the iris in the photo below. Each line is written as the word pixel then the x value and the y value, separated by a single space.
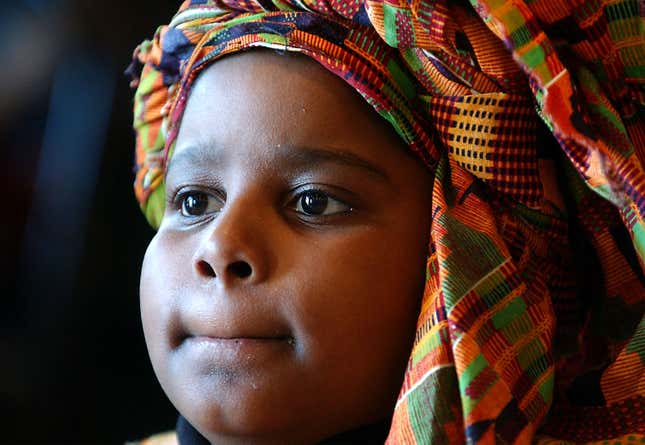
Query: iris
pixel 314 202
pixel 194 204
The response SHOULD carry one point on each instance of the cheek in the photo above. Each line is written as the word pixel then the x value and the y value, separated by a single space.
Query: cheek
pixel 160 282
pixel 152 301
pixel 357 311
pixel 378 272
pixel 359 314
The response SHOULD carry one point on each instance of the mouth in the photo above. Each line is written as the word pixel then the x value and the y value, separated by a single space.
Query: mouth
pixel 223 329
pixel 213 354
pixel 238 339
pixel 224 338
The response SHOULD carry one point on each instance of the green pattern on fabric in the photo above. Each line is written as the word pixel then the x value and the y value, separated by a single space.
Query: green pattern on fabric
pixel 462 242
pixel 424 412
pixel 154 212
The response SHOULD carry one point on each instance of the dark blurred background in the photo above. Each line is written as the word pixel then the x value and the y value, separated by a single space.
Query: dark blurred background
pixel 73 363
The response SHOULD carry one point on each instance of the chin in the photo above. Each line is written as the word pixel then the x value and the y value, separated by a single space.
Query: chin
pixel 229 408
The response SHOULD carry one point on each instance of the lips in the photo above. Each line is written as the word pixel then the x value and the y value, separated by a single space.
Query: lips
pixel 235 332
pixel 227 332
pixel 237 339
pixel 220 356
pixel 213 321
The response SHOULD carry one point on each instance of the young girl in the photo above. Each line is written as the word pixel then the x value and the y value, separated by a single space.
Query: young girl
pixel 377 238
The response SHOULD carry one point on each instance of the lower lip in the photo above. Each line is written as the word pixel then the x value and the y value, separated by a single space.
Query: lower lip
pixel 235 352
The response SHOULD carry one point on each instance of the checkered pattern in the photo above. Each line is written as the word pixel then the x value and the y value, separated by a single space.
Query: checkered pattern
pixel 493 136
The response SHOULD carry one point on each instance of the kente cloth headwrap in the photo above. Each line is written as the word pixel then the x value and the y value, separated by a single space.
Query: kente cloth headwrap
pixel 530 114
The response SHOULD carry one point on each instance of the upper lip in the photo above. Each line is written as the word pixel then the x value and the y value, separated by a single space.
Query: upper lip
pixel 221 325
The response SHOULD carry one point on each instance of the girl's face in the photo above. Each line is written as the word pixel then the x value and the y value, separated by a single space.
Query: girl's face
pixel 280 295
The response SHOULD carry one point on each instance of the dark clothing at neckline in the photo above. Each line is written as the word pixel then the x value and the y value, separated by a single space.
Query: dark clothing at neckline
pixel 374 434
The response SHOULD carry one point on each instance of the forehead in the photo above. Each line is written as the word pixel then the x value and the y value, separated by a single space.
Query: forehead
pixel 276 87
pixel 264 98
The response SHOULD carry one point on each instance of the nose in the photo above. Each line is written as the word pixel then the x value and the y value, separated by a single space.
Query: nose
pixel 238 269
pixel 231 250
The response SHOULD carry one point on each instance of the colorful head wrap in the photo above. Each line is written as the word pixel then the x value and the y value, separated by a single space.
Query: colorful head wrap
pixel 530 114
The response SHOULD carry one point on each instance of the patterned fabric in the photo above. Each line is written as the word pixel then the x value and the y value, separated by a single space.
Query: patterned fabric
pixel 530 114
pixel 166 438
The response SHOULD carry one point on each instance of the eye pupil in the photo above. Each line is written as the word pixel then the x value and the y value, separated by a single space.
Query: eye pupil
pixel 314 202
pixel 195 204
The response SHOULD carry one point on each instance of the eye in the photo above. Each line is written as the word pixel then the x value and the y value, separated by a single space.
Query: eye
pixel 319 203
pixel 195 203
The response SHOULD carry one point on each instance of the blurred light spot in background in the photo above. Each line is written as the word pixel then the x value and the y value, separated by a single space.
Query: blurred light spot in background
pixel 67 172
pixel 74 365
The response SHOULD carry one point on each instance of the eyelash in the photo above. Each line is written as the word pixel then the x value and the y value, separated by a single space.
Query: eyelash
pixel 179 200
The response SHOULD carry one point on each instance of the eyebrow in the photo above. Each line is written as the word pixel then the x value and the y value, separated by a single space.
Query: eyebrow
pixel 300 155
pixel 314 155
pixel 192 156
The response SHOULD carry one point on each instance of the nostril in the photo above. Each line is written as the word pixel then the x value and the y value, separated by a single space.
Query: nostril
pixel 240 269
pixel 205 269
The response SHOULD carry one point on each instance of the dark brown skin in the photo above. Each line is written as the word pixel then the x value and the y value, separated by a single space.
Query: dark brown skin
pixel 275 313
